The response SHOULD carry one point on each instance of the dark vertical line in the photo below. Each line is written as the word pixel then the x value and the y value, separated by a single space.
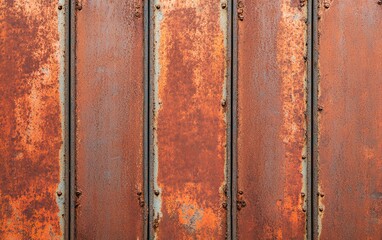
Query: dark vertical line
pixel 229 148
pixel 233 119
pixel 309 120
pixel 72 121
pixel 67 119
pixel 150 99
pixel 314 76
pixel 146 144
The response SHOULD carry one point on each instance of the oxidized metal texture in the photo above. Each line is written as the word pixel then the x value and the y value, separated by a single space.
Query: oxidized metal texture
pixel 32 83
pixel 350 120
pixel 271 140
pixel 109 120
pixel 189 125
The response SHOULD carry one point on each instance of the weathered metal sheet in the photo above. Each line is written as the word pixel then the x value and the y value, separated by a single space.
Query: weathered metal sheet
pixel 32 122
pixel 189 119
pixel 349 120
pixel 109 120
pixel 271 119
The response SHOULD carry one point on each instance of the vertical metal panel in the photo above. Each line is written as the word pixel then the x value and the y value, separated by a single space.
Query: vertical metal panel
pixel 32 119
pixel 349 120
pixel 272 108
pixel 189 118
pixel 109 119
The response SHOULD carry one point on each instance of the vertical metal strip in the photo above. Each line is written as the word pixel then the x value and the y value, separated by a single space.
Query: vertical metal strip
pixel 234 170
pixel 151 7
pixel 309 119
pixel 314 150
pixel 230 106
pixel 72 116
pixel 146 130
pixel 66 117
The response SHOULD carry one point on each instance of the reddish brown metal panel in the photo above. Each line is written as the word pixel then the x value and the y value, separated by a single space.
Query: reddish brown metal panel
pixel 350 119
pixel 189 126
pixel 271 142
pixel 109 119
pixel 32 65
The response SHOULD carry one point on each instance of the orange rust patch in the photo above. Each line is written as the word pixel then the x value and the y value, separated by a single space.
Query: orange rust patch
pixel 190 125
pixel 30 120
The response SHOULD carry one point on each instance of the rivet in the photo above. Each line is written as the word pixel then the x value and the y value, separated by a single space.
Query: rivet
pixel 379 2
pixel 78 193
pixel 59 7
pixel 326 5
pixel 59 193
pixel 302 194
pixel 241 192
pixel 224 5
pixel 321 209
pixel 224 205
pixel 156 192
pixel 157 6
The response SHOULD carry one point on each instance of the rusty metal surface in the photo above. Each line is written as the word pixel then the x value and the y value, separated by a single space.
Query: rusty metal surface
pixel 189 47
pixel 109 120
pixel 271 141
pixel 349 120
pixel 32 133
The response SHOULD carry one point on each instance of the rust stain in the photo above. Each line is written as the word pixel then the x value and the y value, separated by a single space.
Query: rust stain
pixel 350 120
pixel 190 127
pixel 109 117
pixel 31 132
pixel 271 120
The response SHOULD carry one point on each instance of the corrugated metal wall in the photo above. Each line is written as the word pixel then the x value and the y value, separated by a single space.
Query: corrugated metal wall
pixel 174 119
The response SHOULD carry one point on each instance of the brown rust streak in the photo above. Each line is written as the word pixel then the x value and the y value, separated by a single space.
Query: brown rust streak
pixel 271 120
pixel 30 120
pixel 109 117
pixel 350 123
pixel 190 123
